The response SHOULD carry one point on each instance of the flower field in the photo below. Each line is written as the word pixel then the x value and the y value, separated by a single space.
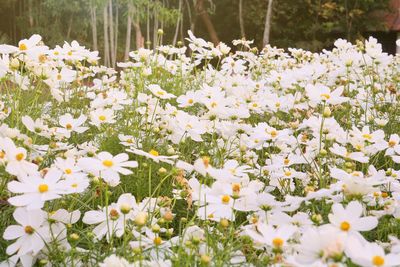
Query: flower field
pixel 200 156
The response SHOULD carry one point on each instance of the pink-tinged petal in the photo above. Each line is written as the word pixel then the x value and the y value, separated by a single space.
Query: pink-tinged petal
pixel 23 200
pixel 131 164
pixel 121 158
pixel 365 224
pixel 104 155
pixel 14 247
pixel 94 217
pixel 18 187
pixel 13 232
pixel 90 164
pixel 123 171
pixel 354 209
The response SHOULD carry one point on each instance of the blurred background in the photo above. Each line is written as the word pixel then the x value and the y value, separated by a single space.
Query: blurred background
pixel 115 27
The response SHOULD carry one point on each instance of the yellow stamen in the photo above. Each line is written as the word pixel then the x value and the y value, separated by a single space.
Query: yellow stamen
pixel 19 156
pixel 43 188
pixel 345 226
pixel 108 163
pixel 378 261
pixel 154 153
pixel 225 199
pixel 277 242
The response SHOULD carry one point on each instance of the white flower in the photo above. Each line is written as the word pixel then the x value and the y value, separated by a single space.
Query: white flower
pixel 31 233
pixel 35 190
pixel 350 219
pixel 69 124
pixel 109 166
pixel 160 93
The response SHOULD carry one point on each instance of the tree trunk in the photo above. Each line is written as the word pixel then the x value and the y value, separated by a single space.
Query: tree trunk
pixel 93 22
pixel 267 27
pixel 155 28
pixel 30 15
pixel 138 32
pixel 111 28
pixel 241 22
pixel 116 34
pixel 148 27
pixel 128 33
pixel 202 12
pixel 70 26
pixel 178 23
pixel 106 40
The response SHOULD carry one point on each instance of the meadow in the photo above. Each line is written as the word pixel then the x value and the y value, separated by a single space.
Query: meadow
pixel 199 155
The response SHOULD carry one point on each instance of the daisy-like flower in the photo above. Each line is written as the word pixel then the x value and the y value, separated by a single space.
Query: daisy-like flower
pixel 109 166
pixel 370 254
pixel 154 155
pixel 160 93
pixel 36 190
pixel 31 232
pixel 36 126
pixel 350 220
pixel 319 93
pixel 267 235
pixel 16 158
pixel 100 116
pixel 111 220
pixel 69 125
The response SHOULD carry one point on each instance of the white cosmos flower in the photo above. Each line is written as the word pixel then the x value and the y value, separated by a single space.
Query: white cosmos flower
pixel 16 158
pixel 109 166
pixel 69 124
pixel 31 232
pixel 35 191
pixel 160 93
pixel 350 219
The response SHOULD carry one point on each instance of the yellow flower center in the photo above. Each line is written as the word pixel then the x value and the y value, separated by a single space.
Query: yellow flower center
pixel 325 96
pixel 19 156
pixel 213 104
pixel 29 230
pixel 392 143
pixel 69 53
pixel 43 188
pixel 68 126
pixel 160 93
pixel 225 199
pixel 190 101
pixel 68 171
pixel 157 241
pixel 286 161
pixel 22 47
pixel 277 104
pixel 274 133
pixel 235 187
pixel 288 173
pixel 102 117
pixel 42 58
pixel 255 105
pixel 2 155
pixel 277 242
pixel 367 136
pixel 74 185
pixel 345 226
pixel 206 161
pixel 378 261
pixel 154 153
pixel 114 214
pixel 108 163
pixel 59 76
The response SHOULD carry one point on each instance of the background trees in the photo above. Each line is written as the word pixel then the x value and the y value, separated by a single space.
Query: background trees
pixel 115 27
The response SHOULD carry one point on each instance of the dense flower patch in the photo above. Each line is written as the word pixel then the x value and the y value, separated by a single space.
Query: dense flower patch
pixel 207 157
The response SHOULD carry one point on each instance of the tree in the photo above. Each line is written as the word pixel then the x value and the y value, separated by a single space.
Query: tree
pixel 267 27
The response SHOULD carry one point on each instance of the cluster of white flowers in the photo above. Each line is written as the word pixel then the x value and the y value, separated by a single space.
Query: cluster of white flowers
pixel 237 157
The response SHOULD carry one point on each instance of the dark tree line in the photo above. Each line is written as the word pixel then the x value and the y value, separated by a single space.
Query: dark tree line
pixel 115 27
